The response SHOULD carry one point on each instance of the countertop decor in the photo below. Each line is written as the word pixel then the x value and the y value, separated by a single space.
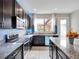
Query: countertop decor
pixel 71 35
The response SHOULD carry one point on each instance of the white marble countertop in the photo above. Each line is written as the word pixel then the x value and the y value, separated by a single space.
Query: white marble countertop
pixel 44 34
pixel 24 39
pixel 72 51
pixel 7 48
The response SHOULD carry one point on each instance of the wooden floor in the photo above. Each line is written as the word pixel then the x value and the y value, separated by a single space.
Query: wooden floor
pixel 38 52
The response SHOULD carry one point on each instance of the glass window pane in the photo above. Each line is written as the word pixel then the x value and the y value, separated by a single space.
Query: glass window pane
pixel 44 25
pixel 63 27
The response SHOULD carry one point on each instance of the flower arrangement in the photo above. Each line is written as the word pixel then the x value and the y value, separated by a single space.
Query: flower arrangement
pixel 72 35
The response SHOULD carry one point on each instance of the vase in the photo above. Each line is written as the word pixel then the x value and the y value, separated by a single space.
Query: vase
pixel 71 41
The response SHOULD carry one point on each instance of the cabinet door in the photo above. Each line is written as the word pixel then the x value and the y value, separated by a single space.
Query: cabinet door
pixel 1 13
pixel 50 50
pixel 38 40
pixel 18 56
pixel 7 13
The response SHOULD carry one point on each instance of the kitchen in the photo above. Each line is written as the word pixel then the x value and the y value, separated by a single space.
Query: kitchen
pixel 31 31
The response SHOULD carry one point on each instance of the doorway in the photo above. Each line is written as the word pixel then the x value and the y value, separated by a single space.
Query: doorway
pixel 63 27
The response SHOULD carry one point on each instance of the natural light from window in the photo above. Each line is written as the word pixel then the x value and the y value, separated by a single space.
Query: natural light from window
pixel 44 25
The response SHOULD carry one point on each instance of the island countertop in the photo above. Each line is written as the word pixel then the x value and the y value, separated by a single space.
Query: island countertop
pixel 7 48
pixel 72 51
pixel 45 34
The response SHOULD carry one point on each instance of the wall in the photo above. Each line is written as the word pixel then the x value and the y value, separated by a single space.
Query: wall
pixel 60 17
pixel 21 33
pixel 75 21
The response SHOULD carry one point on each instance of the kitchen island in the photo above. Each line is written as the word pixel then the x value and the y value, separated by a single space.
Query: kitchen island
pixel 64 50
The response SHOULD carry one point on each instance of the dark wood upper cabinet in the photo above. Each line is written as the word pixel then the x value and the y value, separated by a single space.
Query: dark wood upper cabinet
pixel 7 7
pixel 1 13
pixel 9 11
pixel 19 12
pixel 21 16
pixel 7 14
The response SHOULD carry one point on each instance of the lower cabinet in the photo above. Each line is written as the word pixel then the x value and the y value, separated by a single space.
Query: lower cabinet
pixel 60 54
pixel 38 41
pixel 55 52
pixel 17 54
pixel 52 50
pixel 27 46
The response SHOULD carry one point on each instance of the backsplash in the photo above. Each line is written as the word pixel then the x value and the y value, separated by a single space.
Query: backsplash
pixel 3 32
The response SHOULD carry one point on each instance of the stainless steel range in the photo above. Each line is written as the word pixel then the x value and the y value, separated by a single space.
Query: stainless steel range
pixel 11 38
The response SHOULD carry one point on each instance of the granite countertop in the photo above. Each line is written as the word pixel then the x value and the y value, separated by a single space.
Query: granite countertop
pixel 72 51
pixel 45 34
pixel 7 48
pixel 24 39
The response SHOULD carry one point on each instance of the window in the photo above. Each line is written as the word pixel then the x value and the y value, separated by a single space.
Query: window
pixel 43 25
pixel 63 27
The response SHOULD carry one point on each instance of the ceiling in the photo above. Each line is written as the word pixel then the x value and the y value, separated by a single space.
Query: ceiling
pixel 49 6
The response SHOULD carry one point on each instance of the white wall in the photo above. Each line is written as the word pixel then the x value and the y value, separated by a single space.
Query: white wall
pixel 75 21
pixel 60 17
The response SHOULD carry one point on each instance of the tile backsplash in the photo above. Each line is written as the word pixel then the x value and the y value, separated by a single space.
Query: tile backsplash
pixel 3 32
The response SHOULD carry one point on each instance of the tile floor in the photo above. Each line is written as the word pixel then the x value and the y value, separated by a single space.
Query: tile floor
pixel 38 52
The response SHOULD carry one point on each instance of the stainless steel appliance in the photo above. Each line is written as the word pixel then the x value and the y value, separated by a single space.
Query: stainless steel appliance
pixel 11 38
